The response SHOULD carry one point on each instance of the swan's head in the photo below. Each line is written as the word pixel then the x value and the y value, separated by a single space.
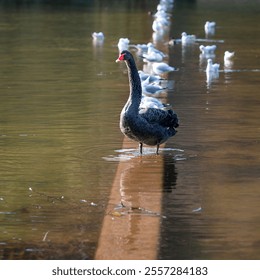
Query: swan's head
pixel 124 55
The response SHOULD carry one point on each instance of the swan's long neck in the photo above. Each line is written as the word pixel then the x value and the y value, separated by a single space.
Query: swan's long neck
pixel 135 94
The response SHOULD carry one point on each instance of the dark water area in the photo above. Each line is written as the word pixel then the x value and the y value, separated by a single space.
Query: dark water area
pixel 213 208
pixel 60 100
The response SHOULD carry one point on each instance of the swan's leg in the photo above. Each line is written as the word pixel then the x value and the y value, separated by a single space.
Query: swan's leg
pixel 141 147
pixel 157 149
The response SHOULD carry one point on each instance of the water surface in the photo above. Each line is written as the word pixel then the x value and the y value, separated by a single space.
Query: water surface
pixel 60 146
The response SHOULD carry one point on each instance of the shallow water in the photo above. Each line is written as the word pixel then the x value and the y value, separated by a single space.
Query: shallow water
pixel 60 145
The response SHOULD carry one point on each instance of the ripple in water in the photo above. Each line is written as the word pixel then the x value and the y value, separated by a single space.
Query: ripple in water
pixel 127 154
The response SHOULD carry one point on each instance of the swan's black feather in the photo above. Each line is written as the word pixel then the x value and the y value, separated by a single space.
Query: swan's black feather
pixel 150 126
pixel 166 118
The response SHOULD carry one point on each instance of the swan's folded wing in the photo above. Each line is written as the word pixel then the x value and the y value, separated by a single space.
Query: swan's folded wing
pixel 166 118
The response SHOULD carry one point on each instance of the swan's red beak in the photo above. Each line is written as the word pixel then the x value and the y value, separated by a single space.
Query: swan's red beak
pixel 121 57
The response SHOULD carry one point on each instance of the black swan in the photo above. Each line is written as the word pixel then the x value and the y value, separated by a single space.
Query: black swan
pixel 148 126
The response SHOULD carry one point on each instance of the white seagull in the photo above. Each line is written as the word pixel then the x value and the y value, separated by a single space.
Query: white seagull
pixel 187 39
pixel 123 44
pixel 228 59
pixel 98 36
pixel 209 27
pixel 160 68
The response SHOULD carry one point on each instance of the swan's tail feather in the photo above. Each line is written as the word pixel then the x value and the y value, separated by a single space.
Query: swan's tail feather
pixel 172 131
pixel 172 120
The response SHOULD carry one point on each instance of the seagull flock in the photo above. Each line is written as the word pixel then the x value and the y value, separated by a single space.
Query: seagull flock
pixel 155 66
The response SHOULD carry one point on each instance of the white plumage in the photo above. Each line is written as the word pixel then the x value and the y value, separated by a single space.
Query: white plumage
pixel 228 55
pixel 205 50
pixel 212 68
pixel 161 68
pixel 209 27
pixel 98 36
pixel 123 44
pixel 187 39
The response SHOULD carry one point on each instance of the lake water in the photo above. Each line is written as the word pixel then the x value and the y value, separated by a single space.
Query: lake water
pixel 66 176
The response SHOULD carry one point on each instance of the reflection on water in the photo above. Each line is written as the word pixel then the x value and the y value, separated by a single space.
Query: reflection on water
pixel 60 145
pixel 134 210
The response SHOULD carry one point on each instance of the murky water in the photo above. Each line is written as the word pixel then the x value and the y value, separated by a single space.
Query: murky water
pixel 60 146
